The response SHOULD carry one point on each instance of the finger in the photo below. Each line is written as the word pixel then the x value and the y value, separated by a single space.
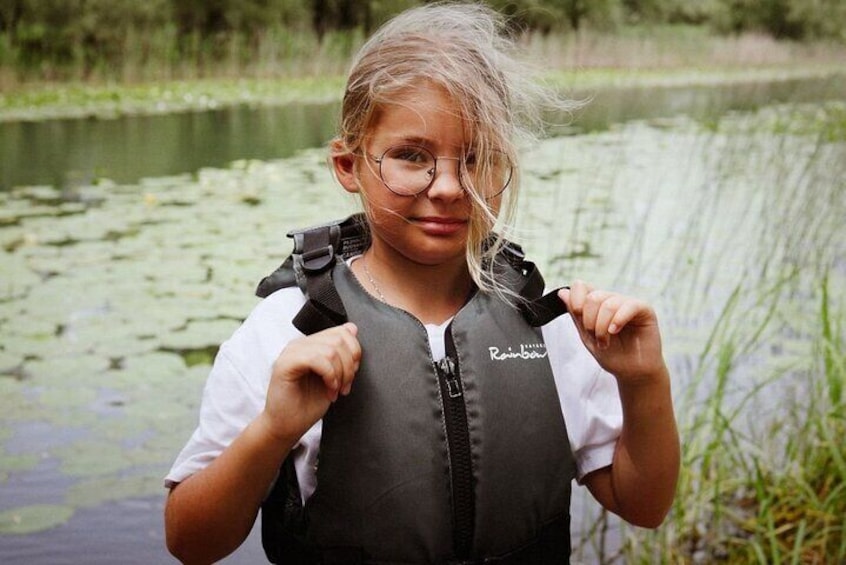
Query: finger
pixel 564 296
pixel 348 350
pixel 604 316
pixel 592 305
pixel 325 363
pixel 573 297
pixel 352 359
pixel 578 292
pixel 626 313
pixel 329 358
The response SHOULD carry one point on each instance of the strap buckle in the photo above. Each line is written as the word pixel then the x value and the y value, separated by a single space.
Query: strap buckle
pixel 318 260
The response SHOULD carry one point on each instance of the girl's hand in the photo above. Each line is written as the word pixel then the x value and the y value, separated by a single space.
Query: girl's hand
pixel 308 376
pixel 620 332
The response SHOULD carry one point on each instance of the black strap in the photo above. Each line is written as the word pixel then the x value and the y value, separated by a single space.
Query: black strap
pixel 543 310
pixel 347 238
pixel 537 309
pixel 283 522
pixel 317 248
pixel 282 277
pixel 323 309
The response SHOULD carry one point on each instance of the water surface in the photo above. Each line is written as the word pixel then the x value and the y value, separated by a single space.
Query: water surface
pixel 75 152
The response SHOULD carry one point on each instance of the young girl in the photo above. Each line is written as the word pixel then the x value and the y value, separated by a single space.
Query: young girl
pixel 433 423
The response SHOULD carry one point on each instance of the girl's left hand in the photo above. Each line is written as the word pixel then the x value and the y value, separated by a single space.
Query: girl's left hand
pixel 619 331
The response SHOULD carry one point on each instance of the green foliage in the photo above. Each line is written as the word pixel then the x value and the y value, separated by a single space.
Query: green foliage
pixel 126 39
pixel 783 19
pixel 795 513
pixel 764 462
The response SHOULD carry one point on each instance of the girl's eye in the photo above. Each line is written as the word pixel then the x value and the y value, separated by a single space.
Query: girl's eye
pixel 470 160
pixel 409 154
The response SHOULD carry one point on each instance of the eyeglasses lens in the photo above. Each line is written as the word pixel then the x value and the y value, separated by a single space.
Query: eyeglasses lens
pixel 410 169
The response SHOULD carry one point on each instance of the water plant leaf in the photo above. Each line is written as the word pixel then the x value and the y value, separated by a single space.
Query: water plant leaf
pixel 35 518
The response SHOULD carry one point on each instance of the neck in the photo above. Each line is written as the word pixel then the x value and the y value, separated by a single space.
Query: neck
pixel 431 293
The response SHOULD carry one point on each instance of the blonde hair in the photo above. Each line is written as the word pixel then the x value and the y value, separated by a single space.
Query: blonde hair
pixel 463 48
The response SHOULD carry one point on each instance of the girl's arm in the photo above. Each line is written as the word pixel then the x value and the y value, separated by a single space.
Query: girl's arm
pixel 622 334
pixel 212 512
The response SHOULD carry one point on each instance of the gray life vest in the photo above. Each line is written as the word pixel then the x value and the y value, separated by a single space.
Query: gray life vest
pixel 462 461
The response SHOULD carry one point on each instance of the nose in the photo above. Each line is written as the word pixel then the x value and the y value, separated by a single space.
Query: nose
pixel 447 182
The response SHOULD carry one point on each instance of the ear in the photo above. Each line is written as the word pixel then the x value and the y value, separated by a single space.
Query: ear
pixel 343 163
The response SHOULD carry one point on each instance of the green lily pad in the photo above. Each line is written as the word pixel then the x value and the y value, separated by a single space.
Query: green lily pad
pixel 93 458
pixel 35 518
pixel 90 493
pixel 17 463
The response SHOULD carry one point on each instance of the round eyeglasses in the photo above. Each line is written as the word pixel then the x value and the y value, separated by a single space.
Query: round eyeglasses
pixel 408 170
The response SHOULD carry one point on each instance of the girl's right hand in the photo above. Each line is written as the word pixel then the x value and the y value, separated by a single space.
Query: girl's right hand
pixel 308 376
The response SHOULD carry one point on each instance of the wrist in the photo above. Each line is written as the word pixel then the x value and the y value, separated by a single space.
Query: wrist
pixel 269 434
pixel 656 379
pixel 646 400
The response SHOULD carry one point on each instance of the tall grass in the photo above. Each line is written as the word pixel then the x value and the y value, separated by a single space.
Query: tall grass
pixel 741 218
pixel 165 54
pixel 791 510
pixel 763 415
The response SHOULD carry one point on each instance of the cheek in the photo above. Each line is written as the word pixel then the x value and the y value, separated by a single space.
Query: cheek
pixel 379 206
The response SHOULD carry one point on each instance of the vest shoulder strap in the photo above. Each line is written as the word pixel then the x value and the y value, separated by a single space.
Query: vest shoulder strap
pixel 317 248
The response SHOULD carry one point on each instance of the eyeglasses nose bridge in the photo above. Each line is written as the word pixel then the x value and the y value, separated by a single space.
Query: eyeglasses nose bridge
pixel 457 172
pixel 445 158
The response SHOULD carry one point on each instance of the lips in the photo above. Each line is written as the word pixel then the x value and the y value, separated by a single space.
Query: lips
pixel 438 225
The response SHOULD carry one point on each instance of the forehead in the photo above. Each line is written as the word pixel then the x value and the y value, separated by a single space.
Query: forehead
pixel 426 112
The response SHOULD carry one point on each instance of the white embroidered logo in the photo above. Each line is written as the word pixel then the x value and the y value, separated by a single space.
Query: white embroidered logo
pixel 526 351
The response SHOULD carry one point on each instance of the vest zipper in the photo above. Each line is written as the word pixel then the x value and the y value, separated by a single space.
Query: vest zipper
pixel 458 445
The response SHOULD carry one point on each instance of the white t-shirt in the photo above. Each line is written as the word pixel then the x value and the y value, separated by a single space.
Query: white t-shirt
pixel 235 391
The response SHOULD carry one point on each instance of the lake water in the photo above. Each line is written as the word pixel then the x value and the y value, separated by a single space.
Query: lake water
pixel 77 151
pixel 722 206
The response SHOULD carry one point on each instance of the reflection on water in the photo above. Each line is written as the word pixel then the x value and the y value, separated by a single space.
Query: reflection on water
pixel 112 302
pixel 617 105
pixel 74 152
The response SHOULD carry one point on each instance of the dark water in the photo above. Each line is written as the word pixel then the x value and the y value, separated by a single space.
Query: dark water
pixel 127 532
pixel 75 152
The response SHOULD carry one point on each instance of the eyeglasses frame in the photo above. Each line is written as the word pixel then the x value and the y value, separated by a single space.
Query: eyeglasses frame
pixel 436 158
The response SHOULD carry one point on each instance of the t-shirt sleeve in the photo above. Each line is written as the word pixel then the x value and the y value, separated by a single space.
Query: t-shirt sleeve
pixel 588 395
pixel 236 388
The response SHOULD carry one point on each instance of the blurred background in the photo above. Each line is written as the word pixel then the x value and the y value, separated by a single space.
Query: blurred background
pixel 154 154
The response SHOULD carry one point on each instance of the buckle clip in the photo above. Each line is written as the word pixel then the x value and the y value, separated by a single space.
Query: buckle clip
pixel 318 260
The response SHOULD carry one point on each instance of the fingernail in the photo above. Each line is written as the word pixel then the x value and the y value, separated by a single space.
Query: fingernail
pixel 613 328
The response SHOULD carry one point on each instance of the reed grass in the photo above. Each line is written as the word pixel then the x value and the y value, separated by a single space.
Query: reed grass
pixel 279 52
pixel 764 461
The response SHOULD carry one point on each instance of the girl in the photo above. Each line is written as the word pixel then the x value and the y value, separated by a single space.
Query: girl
pixel 435 425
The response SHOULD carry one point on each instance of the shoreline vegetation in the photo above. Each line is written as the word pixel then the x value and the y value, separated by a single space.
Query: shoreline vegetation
pixel 579 63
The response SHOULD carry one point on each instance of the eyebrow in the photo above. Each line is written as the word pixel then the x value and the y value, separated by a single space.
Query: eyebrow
pixel 414 140
pixel 426 142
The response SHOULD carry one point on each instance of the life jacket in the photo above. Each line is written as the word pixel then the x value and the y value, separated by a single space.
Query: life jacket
pixel 466 460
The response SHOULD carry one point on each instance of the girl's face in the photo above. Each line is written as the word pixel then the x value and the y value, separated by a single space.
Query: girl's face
pixel 429 228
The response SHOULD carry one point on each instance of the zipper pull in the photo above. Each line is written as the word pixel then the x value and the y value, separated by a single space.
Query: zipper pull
pixel 446 368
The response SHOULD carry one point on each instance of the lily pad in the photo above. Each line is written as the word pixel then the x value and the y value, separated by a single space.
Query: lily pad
pixel 35 518
pixel 93 458
pixel 90 493
pixel 17 463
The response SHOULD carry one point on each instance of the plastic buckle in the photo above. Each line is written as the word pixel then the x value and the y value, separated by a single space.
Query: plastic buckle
pixel 318 260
